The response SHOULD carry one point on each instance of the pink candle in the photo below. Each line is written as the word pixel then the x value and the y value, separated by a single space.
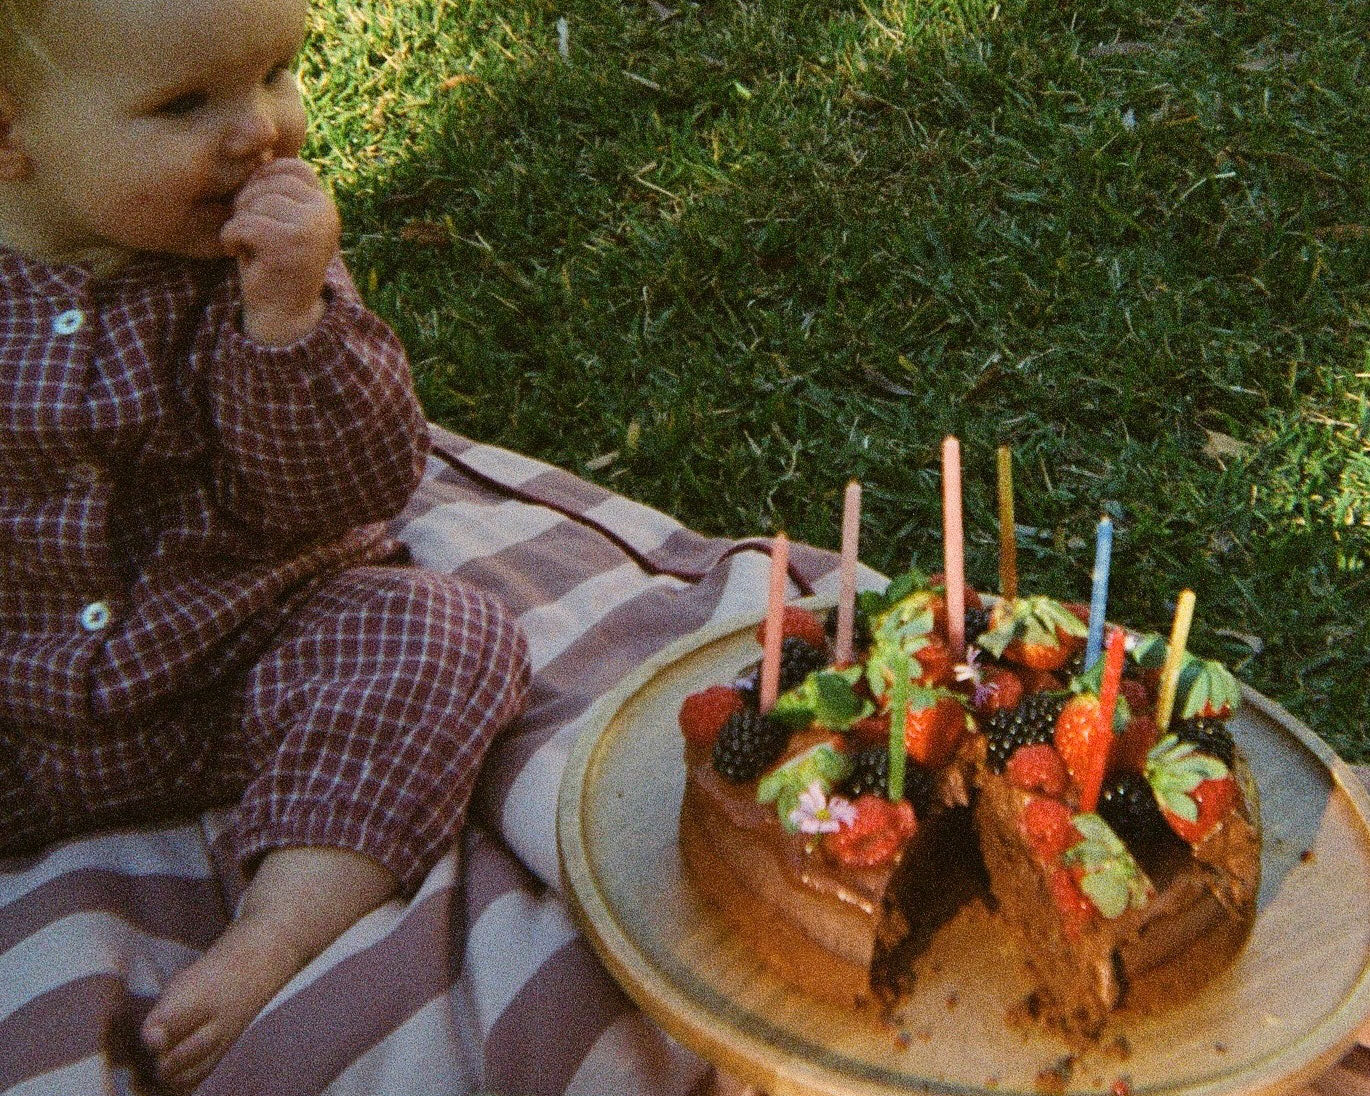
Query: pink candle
pixel 846 591
pixel 953 548
pixel 775 610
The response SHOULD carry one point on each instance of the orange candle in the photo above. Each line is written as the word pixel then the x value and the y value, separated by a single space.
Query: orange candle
pixel 1008 543
pixel 775 611
pixel 846 592
pixel 953 548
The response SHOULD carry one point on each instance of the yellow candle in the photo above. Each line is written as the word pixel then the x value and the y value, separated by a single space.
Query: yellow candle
pixel 1008 544
pixel 1170 672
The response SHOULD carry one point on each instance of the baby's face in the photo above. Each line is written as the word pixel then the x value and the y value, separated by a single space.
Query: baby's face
pixel 157 113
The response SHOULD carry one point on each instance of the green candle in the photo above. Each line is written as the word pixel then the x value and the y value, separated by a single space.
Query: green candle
pixel 899 705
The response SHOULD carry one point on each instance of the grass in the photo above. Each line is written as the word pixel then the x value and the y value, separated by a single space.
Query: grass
pixel 722 257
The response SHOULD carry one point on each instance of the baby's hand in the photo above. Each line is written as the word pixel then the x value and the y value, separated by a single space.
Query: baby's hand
pixel 283 231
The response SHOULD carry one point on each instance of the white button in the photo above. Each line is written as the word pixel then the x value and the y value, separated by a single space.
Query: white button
pixel 68 322
pixel 95 616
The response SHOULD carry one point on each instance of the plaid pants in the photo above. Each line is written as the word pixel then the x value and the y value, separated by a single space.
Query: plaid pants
pixel 362 726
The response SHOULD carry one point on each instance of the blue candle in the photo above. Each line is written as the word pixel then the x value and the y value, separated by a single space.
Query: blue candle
pixel 1098 596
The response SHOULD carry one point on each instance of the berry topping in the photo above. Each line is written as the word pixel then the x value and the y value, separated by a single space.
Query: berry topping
pixel 1085 744
pixel 877 833
pixel 703 714
pixel 1129 805
pixel 798 659
pixel 822 767
pixel 977 622
pixel 1034 720
pixel 800 623
pixel 1075 908
pixel 1207 689
pixel 1048 827
pixel 1131 747
pixel 747 745
pixel 1196 791
pixel 871 776
pixel 933 726
pixel 1036 632
pixel 934 663
pixel 1209 736
pixel 1038 768
pixel 1104 869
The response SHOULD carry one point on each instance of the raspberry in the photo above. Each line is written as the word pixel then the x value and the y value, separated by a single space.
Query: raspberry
pixel 1048 827
pixel 877 834
pixel 1038 768
pixel 934 660
pixel 798 622
pixel 1074 905
pixel 703 714
pixel 977 623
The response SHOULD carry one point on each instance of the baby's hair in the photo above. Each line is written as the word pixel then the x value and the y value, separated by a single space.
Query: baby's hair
pixel 22 55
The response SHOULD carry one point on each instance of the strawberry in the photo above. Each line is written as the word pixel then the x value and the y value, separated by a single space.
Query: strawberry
pixel 1194 790
pixel 1073 904
pixel 873 730
pixel 878 831
pixel 1035 632
pixel 1131 747
pixel 1207 689
pixel 1085 744
pixel 703 714
pixel 999 689
pixel 933 725
pixel 798 622
pixel 1040 681
pixel 1048 827
pixel 1038 768
pixel 1136 694
pixel 934 659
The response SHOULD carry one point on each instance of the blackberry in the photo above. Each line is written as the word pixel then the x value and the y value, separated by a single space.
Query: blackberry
pixel 1074 664
pixel 1033 721
pixel 871 775
pixel 1211 736
pixel 798 659
pixel 977 624
pixel 1129 805
pixel 747 745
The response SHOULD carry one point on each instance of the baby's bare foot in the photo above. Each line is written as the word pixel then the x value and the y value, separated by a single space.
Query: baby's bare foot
pixel 205 1007
pixel 297 904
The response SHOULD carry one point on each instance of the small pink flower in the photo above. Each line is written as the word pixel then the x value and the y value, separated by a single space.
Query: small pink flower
pixel 971 671
pixel 817 813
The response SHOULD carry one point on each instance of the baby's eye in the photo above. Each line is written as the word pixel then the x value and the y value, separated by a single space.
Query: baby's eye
pixel 183 104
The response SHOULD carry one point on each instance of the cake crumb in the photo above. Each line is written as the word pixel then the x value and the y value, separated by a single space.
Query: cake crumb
pixel 953 999
pixel 1220 1048
pixel 1308 856
pixel 903 1040
pixel 1053 1079
pixel 1120 1048
pixel 925 1035
pixel 991 1082
pixel 1121 1087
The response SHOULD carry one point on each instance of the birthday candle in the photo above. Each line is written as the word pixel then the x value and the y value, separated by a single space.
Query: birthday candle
pixel 1174 657
pixel 1008 542
pixel 775 611
pixel 953 548
pixel 846 595
pixel 1098 597
pixel 899 704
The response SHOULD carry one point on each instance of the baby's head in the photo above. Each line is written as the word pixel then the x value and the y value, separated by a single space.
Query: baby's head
pixel 128 125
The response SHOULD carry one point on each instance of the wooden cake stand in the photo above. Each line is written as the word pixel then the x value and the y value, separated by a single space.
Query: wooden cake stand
pixel 1281 1015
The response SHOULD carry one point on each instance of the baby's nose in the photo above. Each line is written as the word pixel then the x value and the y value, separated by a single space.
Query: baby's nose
pixel 252 135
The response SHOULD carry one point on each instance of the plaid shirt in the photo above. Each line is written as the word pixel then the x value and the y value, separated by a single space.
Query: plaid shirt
pixel 164 481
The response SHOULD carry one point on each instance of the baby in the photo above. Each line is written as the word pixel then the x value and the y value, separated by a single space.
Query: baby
pixel 201 429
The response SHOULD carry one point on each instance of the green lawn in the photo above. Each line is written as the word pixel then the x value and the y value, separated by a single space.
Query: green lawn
pixel 722 257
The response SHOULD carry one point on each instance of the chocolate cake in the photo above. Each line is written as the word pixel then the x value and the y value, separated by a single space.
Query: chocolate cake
pixel 838 873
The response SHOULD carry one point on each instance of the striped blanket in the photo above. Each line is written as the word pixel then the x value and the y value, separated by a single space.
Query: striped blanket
pixel 480 983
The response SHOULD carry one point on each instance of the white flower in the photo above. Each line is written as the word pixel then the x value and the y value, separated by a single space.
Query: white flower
pixel 817 813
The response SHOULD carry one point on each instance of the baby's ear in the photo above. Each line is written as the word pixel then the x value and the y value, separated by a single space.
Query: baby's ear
pixel 14 162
